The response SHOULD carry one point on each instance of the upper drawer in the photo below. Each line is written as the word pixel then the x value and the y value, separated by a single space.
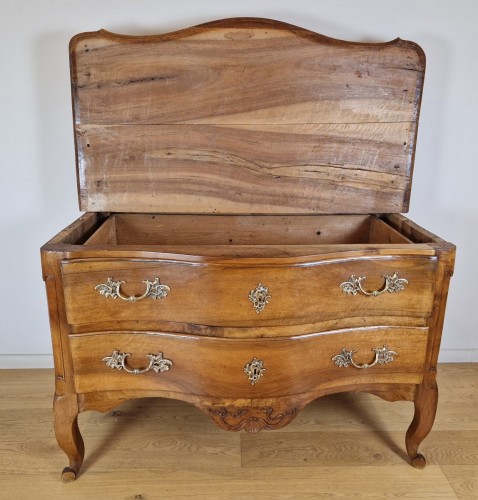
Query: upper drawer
pixel 208 293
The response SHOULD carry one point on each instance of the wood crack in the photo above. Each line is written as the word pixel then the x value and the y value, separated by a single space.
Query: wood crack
pixel 146 79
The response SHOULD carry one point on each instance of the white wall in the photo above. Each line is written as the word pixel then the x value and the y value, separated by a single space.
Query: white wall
pixel 38 185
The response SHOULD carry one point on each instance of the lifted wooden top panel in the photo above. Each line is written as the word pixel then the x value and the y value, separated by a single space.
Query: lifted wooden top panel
pixel 244 116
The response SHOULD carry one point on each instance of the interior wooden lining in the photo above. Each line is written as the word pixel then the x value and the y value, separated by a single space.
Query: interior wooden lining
pixel 381 232
pixel 105 234
pixel 240 230
pixel 222 231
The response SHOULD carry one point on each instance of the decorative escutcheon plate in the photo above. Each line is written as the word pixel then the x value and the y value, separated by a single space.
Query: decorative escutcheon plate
pixel 254 370
pixel 259 297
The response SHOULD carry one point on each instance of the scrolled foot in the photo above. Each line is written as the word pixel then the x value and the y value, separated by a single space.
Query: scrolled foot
pixel 419 461
pixel 68 475
pixel 68 435
pixel 426 401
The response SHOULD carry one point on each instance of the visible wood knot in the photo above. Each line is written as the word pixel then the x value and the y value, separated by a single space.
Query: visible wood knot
pixel 239 35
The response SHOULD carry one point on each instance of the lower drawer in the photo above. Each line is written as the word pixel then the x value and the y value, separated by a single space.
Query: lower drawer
pixel 235 368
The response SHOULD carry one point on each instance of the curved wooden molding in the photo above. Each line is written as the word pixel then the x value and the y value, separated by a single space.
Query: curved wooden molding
pixel 238 23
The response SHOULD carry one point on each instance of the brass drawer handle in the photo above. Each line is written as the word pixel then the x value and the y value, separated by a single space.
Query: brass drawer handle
pixel 393 284
pixel 254 370
pixel 154 290
pixel 156 362
pixel 382 357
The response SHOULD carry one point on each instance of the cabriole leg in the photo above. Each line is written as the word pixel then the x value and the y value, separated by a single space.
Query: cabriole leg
pixel 426 401
pixel 68 435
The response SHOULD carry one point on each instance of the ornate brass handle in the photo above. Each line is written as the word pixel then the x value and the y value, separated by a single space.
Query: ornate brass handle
pixel 156 362
pixel 393 284
pixel 154 290
pixel 382 357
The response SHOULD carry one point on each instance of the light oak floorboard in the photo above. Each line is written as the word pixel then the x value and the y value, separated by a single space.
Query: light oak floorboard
pixel 344 445
pixel 38 425
pixel 34 387
pixel 464 480
pixel 292 483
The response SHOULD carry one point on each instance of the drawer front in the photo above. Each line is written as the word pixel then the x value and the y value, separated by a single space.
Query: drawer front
pixel 231 295
pixel 247 368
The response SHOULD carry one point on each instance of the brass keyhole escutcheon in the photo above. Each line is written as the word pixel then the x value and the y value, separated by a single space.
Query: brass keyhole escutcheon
pixel 254 370
pixel 259 297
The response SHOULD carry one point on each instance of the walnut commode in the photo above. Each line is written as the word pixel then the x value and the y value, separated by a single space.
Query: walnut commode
pixel 242 248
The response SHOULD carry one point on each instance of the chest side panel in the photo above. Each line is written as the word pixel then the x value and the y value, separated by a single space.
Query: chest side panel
pixel 244 116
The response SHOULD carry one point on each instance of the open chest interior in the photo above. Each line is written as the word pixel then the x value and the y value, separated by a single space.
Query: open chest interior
pixel 306 233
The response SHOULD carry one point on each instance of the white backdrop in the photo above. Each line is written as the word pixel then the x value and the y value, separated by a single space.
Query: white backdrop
pixel 38 186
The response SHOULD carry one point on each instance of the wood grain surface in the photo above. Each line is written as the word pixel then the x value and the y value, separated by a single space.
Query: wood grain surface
pixel 244 116
pixel 233 230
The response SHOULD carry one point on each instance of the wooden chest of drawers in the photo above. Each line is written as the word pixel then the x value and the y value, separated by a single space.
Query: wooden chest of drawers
pixel 241 248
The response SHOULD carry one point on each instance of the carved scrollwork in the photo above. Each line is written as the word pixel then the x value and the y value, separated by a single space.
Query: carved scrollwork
pixel 251 419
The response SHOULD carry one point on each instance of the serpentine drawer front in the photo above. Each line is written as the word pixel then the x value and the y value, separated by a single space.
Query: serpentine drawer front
pixel 242 248
pixel 225 367
pixel 247 295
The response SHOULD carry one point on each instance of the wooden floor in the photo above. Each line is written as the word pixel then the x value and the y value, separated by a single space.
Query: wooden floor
pixel 349 445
